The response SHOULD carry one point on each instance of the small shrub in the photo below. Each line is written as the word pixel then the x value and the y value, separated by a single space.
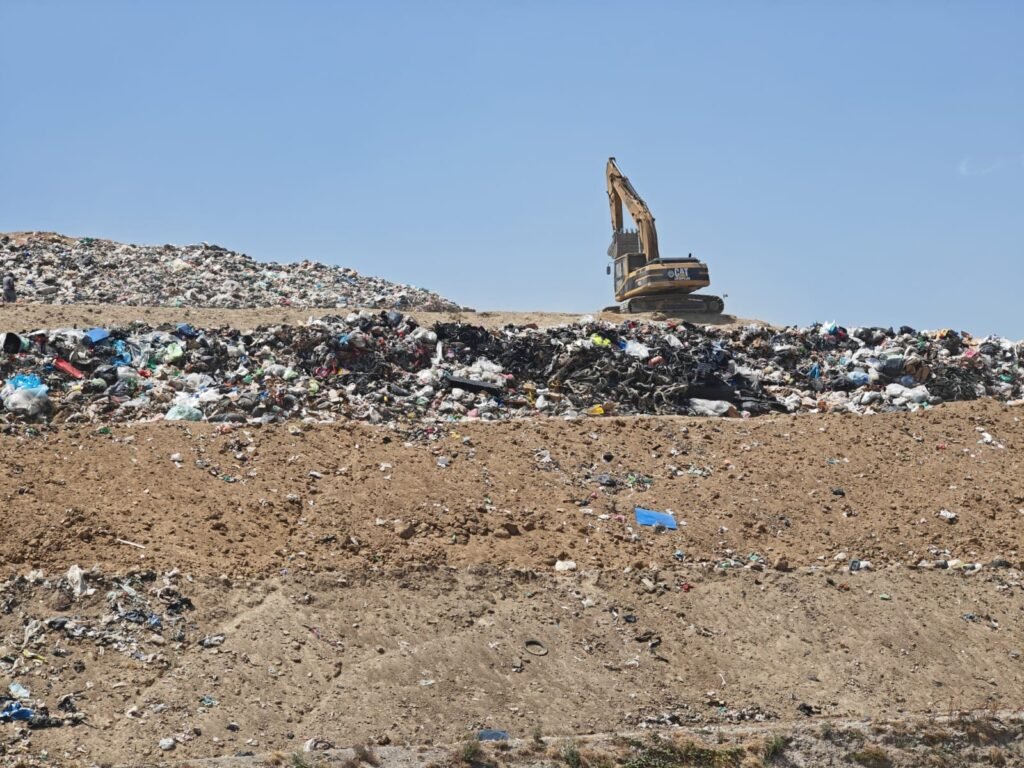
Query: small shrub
pixel 936 760
pixel 571 756
pixel 871 757
pixel 661 754
pixel 364 753
pixel 471 752
pixel 935 735
pixel 981 730
pixel 775 747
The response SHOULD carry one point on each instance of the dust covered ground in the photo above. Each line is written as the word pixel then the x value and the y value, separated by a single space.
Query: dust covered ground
pixel 365 591
pixel 247 590
pixel 27 317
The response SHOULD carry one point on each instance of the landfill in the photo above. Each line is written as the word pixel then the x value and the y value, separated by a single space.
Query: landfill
pixel 215 591
pixel 55 269
pixel 383 367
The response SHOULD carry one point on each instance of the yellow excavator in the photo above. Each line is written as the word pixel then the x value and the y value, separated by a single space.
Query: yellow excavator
pixel 644 281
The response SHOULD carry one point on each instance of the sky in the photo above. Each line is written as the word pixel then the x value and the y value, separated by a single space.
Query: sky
pixel 856 162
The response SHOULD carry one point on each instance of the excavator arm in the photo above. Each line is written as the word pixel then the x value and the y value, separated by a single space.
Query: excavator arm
pixel 620 192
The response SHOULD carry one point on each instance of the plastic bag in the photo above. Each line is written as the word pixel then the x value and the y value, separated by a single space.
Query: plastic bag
pixel 173 354
pixel 183 413
pixel 857 378
pixel 637 350
pixel 25 381
pixel 27 402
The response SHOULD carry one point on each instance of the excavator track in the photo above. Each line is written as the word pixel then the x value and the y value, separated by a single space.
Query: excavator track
pixel 675 304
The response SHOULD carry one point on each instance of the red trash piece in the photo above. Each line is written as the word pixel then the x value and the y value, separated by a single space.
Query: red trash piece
pixel 68 368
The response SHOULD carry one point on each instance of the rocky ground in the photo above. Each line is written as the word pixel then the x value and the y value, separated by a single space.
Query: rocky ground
pixel 841 590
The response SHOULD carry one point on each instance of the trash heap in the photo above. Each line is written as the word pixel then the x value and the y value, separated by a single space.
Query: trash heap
pixel 60 270
pixel 384 367
pixel 141 615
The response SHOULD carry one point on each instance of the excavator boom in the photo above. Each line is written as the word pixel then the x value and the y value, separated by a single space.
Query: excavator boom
pixel 621 191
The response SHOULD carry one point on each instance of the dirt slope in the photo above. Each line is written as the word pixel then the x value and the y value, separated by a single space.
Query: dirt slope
pixel 374 582
pixel 247 500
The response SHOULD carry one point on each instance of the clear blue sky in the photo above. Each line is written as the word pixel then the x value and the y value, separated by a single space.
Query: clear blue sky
pixel 858 162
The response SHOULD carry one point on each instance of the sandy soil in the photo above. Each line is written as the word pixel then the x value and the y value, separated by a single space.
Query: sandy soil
pixel 33 316
pixel 366 592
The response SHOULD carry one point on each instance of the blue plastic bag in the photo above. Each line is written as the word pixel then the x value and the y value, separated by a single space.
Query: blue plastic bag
pixel 489 734
pixel 25 381
pixel 123 356
pixel 96 335
pixel 652 518
pixel 16 711
pixel 857 378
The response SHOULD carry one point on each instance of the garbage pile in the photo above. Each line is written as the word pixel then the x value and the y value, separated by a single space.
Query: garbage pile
pixel 135 614
pixel 63 619
pixel 383 367
pixel 60 270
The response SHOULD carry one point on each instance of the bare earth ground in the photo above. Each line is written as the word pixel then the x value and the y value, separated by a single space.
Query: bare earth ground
pixel 366 593
pixel 32 316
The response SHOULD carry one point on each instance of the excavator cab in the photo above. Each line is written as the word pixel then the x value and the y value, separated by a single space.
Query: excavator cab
pixel 643 281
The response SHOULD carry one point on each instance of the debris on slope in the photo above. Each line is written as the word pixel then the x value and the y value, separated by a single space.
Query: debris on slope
pixel 61 270
pixel 62 620
pixel 384 367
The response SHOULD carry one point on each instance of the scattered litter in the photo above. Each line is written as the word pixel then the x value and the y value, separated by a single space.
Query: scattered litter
pixel 20 691
pixel 14 710
pixel 536 648
pixel 651 518
pixel 316 745
pixel 491 735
